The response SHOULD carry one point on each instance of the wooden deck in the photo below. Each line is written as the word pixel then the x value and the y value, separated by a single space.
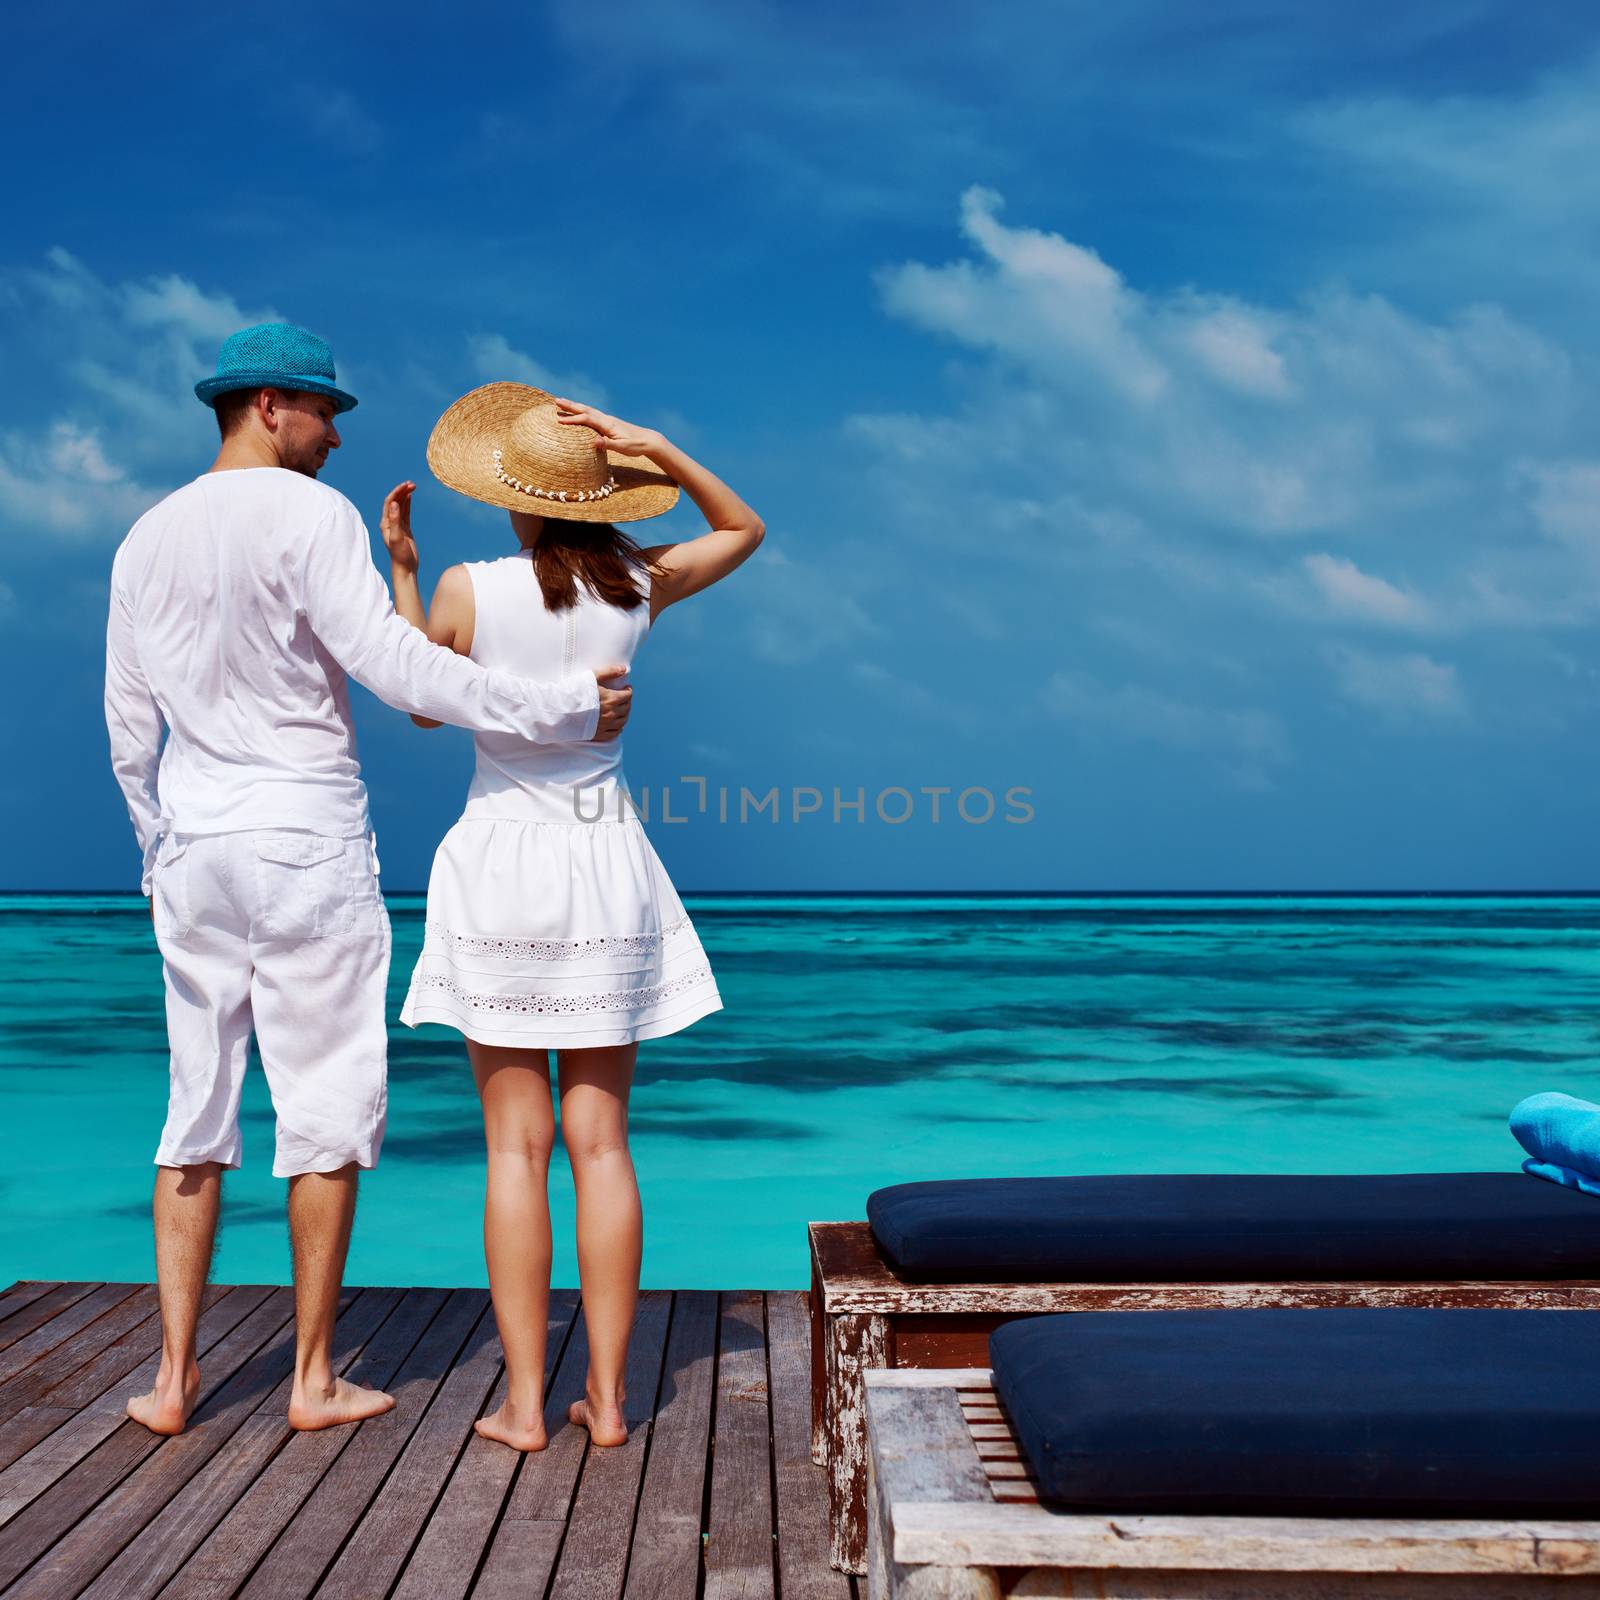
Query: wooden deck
pixel 714 1493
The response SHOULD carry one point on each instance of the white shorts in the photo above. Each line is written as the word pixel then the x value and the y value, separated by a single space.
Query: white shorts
pixel 284 934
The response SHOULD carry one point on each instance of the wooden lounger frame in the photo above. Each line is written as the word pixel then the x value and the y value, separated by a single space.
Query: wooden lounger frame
pixel 955 1515
pixel 865 1316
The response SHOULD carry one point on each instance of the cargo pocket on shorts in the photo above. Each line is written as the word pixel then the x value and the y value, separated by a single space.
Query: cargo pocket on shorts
pixel 366 896
pixel 169 887
pixel 305 886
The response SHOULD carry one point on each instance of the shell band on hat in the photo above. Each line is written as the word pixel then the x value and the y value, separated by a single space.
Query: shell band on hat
pixel 571 495
pixel 508 444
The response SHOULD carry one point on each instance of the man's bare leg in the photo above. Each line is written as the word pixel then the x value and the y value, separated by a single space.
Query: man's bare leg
pixel 185 1207
pixel 322 1206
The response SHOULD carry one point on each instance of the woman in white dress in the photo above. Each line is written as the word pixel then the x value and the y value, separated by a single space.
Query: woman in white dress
pixel 551 921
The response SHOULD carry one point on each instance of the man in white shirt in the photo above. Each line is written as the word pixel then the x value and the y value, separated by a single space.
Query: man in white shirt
pixel 239 606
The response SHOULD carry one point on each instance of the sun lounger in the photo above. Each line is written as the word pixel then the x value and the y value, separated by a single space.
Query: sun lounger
pixel 1216 1455
pixel 938 1266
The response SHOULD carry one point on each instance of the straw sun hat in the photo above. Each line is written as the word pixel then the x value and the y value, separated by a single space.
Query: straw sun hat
pixel 502 444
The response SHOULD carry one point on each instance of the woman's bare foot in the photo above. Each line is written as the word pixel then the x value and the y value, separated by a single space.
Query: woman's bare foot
pixel 166 1408
pixel 604 1422
pixel 521 1430
pixel 325 1406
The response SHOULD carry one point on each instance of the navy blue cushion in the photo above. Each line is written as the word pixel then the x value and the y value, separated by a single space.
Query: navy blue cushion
pixel 1233 1227
pixel 1360 1412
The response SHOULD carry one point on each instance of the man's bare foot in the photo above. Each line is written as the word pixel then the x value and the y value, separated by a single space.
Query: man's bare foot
pixel 166 1408
pixel 513 1427
pixel 604 1422
pixel 318 1406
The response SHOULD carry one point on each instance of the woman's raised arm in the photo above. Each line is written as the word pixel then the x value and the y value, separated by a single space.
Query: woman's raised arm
pixel 684 568
pixel 449 620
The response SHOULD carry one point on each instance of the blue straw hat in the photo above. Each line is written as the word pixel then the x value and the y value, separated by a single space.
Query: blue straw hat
pixel 275 355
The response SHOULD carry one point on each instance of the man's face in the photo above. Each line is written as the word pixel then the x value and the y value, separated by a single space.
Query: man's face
pixel 305 432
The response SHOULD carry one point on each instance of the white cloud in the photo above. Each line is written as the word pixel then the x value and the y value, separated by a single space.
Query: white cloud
pixel 1499 187
pixel 800 612
pixel 917 700
pixel 341 119
pixel 1248 741
pixel 495 360
pixel 1184 437
pixel 1236 345
pixel 119 363
pixel 1353 593
pixel 1043 301
pixel 1400 688
pixel 1565 500
pixel 63 484
pixel 1190 407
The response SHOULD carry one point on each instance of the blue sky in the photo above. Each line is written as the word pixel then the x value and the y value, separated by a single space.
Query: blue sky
pixel 1186 413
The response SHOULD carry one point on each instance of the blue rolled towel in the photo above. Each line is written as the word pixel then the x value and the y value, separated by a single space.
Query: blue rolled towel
pixel 1562 1137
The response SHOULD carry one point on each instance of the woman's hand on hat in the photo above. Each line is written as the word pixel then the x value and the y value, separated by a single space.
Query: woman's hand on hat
pixel 396 527
pixel 615 434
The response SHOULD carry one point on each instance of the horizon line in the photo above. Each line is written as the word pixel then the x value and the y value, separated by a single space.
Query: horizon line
pixel 1000 894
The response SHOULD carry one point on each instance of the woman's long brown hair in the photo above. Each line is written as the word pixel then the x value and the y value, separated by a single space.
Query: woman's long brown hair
pixel 598 554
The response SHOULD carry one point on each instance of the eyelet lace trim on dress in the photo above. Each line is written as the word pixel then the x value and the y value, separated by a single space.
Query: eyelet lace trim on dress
pixel 605 944
pixel 524 1005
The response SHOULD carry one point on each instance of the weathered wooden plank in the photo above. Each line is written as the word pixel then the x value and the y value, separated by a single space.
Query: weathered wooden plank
pixel 74 1493
pixel 528 1546
pixel 936 1533
pixel 665 1560
pixel 313 1538
pixel 1007 1300
pixel 23 1293
pixel 65 1325
pixel 854 1345
pixel 99 1531
pixel 79 1406
pixel 801 1485
pixel 819 1369
pixel 524 1546
pixel 1014 1491
pixel 594 1556
pixel 447 1556
pixel 919 1448
pixel 78 1433
pixel 855 1278
pixel 976 1379
pixel 29 1385
pixel 922 1447
pixel 105 1511
pixel 172 1516
pixel 385 1535
pixel 41 1309
pixel 1058 1584
pixel 739 1556
pixel 244 1535
pixel 117 1359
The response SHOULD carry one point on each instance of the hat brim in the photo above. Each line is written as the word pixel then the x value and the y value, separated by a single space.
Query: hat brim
pixel 461 456
pixel 208 389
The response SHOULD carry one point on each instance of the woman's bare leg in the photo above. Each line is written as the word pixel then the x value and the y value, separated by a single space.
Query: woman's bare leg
pixel 594 1127
pixel 519 1129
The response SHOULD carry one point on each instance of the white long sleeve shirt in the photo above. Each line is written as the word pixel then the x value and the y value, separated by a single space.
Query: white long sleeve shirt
pixel 239 605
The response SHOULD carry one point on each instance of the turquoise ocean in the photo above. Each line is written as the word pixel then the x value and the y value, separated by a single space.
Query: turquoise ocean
pixel 865 1040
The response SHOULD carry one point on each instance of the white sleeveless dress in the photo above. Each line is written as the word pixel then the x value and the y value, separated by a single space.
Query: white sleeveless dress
pixel 546 929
